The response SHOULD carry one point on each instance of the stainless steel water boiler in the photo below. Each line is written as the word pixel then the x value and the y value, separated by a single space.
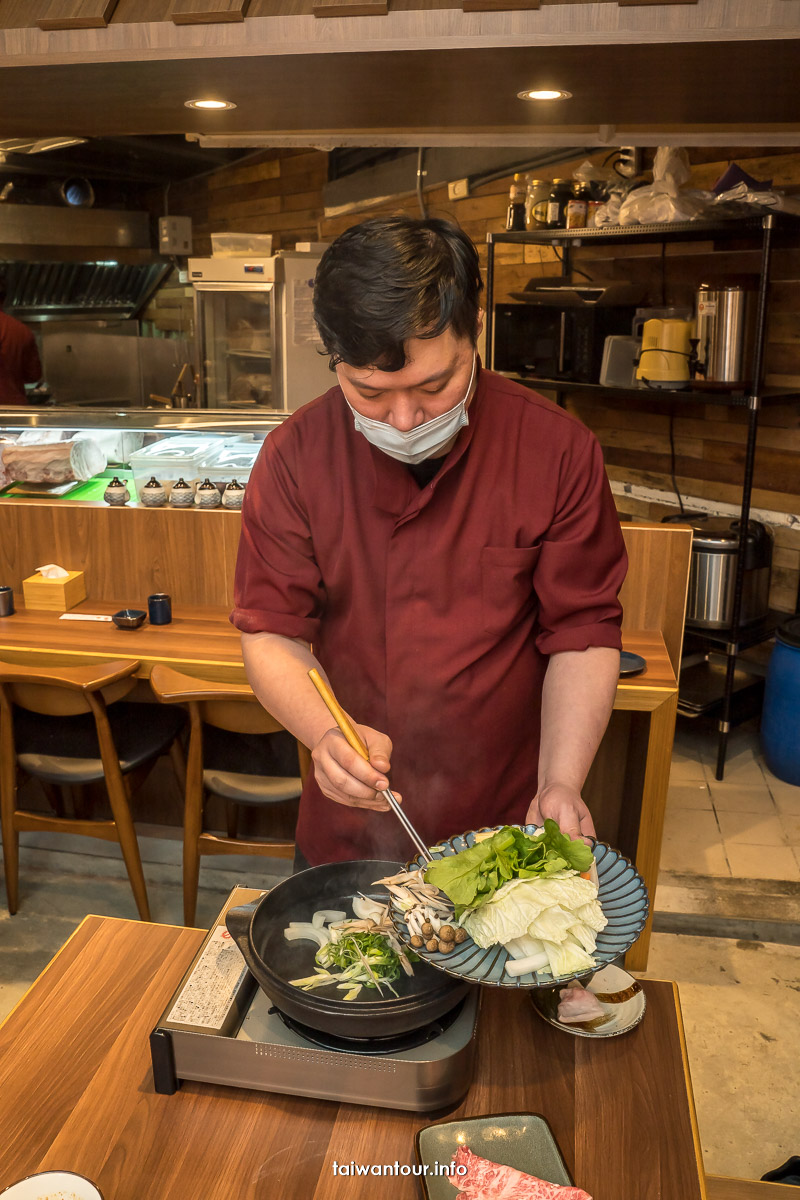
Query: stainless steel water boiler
pixel 722 327
pixel 712 574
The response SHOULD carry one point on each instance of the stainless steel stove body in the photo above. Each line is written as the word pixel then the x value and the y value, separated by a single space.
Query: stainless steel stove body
pixel 220 1028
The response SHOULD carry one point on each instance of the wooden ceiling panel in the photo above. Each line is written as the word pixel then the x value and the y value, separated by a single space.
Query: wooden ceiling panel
pixel 77 14
pixel 460 90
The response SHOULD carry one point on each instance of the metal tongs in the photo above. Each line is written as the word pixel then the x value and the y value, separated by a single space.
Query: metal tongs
pixel 353 738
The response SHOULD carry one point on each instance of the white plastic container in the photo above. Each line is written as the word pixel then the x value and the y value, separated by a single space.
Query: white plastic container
pixel 230 462
pixel 174 458
pixel 241 245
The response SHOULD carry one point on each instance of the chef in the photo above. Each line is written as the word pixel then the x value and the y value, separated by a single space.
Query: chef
pixel 19 357
pixel 443 545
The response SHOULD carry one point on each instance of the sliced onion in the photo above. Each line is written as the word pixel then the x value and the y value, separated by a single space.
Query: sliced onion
pixel 324 915
pixel 368 910
pixel 299 931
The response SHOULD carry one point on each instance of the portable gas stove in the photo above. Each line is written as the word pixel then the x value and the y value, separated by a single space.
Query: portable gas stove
pixel 219 1027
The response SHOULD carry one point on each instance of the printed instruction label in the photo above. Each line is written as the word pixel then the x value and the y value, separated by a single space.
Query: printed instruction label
pixel 212 985
pixel 301 308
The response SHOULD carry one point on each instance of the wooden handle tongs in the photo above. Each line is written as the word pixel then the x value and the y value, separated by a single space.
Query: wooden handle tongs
pixel 343 721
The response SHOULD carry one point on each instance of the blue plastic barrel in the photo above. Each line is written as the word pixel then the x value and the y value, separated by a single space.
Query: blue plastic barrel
pixel 780 719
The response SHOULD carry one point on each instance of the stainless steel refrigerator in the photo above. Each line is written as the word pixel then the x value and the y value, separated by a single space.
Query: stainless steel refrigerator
pixel 257 344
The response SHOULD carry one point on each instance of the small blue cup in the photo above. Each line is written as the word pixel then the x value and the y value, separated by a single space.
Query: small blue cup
pixel 159 608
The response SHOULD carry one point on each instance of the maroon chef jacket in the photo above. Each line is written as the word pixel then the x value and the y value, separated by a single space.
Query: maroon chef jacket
pixel 433 609
pixel 19 360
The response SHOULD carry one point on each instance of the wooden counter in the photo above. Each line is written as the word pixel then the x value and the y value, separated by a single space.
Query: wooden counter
pixel 76 1093
pixel 200 639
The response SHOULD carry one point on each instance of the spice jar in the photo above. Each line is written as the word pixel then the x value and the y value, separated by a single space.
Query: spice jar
pixel 117 493
pixel 559 197
pixel 577 207
pixel 182 494
pixel 536 204
pixel 153 494
pixel 207 495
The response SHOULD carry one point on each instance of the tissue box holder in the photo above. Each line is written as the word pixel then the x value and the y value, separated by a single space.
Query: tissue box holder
pixel 54 595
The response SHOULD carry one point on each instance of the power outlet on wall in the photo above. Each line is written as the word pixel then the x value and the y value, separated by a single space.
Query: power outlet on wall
pixel 458 190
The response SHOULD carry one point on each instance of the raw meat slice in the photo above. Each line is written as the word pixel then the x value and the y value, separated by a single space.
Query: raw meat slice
pixel 578 1004
pixel 486 1180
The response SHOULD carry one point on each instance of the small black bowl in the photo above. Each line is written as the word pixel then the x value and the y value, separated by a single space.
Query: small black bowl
pixel 129 618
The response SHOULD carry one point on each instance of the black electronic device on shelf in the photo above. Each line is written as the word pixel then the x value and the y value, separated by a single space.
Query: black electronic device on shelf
pixel 560 332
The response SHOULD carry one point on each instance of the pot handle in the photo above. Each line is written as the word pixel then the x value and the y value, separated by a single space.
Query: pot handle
pixel 238 922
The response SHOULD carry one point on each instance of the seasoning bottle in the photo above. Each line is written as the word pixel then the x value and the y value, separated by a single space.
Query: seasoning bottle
pixel 578 207
pixel 560 194
pixel 536 204
pixel 515 217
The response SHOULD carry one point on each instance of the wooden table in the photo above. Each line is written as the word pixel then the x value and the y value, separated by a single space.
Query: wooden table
pixel 76 1092
pixel 200 639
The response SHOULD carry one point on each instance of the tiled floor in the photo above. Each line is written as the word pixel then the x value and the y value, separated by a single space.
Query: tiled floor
pixel 745 827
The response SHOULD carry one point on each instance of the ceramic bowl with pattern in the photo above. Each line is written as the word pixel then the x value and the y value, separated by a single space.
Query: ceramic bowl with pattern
pixel 622 894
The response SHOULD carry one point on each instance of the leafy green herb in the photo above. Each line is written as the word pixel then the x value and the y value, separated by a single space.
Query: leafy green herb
pixel 363 958
pixel 471 877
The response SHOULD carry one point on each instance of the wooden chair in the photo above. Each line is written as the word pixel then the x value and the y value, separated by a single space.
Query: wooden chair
pixel 234 708
pixel 68 727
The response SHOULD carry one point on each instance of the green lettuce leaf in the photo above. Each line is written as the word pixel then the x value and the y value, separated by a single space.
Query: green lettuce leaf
pixel 471 877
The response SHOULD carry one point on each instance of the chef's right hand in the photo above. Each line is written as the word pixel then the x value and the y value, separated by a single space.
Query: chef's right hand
pixel 344 776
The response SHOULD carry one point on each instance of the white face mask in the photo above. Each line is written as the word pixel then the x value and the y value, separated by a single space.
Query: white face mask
pixel 412 446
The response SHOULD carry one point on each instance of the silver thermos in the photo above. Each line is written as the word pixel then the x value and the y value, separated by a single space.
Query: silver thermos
pixel 721 328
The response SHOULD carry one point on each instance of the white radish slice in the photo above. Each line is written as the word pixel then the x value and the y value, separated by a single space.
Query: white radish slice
pixel 521 966
pixel 325 915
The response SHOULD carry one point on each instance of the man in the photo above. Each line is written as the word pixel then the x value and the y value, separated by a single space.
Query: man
pixel 447 543
pixel 19 357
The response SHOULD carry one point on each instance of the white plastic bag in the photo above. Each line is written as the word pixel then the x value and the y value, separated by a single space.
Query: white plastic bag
pixel 666 198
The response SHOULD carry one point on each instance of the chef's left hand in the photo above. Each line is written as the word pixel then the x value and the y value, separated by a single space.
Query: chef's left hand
pixel 562 804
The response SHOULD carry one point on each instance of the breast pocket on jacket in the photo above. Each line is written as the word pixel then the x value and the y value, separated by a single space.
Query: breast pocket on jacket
pixel 507 594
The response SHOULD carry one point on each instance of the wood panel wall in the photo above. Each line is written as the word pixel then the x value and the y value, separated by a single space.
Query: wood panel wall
pixel 273 191
pixel 126 553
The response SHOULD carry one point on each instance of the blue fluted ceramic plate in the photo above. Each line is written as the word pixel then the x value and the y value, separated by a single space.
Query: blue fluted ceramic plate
pixel 622 894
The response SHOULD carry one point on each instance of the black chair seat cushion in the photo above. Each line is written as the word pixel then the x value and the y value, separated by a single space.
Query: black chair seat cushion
pixel 249 753
pixel 66 749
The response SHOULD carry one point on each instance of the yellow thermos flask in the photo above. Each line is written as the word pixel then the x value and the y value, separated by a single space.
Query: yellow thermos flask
pixel 664 356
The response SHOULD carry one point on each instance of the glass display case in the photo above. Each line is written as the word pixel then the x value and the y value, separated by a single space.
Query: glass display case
pixel 55 453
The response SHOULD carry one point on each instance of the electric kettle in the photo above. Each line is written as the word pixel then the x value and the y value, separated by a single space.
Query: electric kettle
pixel 665 353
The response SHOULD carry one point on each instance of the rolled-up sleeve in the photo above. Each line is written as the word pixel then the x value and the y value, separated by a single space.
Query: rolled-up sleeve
pixel 278 587
pixel 583 562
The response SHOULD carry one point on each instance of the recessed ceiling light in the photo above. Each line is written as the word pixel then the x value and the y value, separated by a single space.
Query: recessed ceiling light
pixel 544 94
pixel 212 104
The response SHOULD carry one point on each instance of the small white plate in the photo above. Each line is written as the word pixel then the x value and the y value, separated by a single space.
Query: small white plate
pixel 52 1185
pixel 621 998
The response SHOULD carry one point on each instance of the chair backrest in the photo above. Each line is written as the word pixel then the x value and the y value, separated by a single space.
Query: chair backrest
pixel 233 707
pixel 64 691
pixel 653 595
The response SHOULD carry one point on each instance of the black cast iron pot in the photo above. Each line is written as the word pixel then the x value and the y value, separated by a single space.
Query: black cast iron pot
pixel 258 929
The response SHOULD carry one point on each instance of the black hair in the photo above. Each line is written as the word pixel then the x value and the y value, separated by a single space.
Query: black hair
pixel 394 278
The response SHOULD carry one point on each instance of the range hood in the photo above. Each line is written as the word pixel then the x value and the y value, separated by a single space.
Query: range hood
pixel 66 263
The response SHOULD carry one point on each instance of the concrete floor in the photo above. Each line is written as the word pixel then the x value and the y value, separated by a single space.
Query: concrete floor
pixel 727 929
